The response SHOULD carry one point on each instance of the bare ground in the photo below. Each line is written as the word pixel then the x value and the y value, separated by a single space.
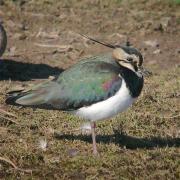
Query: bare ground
pixel 141 143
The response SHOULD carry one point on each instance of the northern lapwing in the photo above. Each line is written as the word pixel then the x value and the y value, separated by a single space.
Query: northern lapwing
pixel 95 88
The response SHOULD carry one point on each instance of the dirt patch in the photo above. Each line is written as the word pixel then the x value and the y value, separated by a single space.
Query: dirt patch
pixel 141 143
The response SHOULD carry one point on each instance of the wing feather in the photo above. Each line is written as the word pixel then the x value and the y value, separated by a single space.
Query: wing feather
pixel 81 85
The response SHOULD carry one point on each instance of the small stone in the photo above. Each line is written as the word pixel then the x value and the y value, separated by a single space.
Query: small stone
pixel 152 43
pixel 157 51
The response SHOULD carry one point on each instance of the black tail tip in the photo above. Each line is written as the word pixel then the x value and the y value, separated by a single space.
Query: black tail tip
pixel 12 96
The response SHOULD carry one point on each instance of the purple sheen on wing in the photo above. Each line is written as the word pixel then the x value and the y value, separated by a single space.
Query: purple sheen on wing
pixel 107 85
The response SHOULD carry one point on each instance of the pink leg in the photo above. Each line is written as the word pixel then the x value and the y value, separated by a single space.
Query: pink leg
pixel 93 126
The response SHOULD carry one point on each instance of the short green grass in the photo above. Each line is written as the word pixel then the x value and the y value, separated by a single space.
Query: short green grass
pixel 177 1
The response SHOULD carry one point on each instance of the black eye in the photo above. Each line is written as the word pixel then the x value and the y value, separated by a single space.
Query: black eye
pixel 130 59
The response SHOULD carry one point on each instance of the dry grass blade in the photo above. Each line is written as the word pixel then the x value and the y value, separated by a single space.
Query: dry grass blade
pixel 41 15
pixel 14 166
pixel 50 35
pixel 9 162
pixel 8 119
pixel 171 117
pixel 57 48
pixel 7 113
pixel 53 46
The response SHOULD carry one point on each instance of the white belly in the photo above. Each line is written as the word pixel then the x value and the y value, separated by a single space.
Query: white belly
pixel 107 108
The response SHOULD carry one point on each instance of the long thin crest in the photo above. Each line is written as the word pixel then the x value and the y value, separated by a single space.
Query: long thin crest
pixel 99 42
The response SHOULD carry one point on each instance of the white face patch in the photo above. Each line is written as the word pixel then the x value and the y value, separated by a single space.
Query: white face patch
pixel 123 58
pixel 127 65
pixel 119 54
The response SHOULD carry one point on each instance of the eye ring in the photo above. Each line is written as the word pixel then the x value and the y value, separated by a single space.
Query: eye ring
pixel 130 59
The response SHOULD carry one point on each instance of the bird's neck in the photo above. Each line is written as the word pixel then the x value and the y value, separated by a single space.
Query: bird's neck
pixel 134 81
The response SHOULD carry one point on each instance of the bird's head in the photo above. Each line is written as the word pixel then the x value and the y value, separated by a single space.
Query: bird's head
pixel 128 57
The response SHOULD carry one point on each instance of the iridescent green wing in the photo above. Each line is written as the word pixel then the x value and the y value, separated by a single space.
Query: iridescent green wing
pixel 86 83
pixel 92 80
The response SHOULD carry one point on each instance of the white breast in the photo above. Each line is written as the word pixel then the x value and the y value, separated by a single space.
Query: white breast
pixel 107 108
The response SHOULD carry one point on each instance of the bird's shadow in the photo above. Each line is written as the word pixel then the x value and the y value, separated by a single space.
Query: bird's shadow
pixel 124 140
pixel 21 71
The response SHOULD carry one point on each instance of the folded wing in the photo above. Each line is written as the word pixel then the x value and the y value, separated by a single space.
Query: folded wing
pixel 81 85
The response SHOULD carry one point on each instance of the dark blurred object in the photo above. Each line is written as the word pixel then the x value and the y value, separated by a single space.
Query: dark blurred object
pixel 1 2
pixel 3 40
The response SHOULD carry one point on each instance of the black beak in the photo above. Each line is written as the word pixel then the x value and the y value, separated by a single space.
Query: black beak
pixel 145 72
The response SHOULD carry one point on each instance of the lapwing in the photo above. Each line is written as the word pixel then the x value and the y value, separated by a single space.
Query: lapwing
pixel 96 88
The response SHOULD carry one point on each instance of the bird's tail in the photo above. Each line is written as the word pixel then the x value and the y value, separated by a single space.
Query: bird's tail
pixel 38 95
